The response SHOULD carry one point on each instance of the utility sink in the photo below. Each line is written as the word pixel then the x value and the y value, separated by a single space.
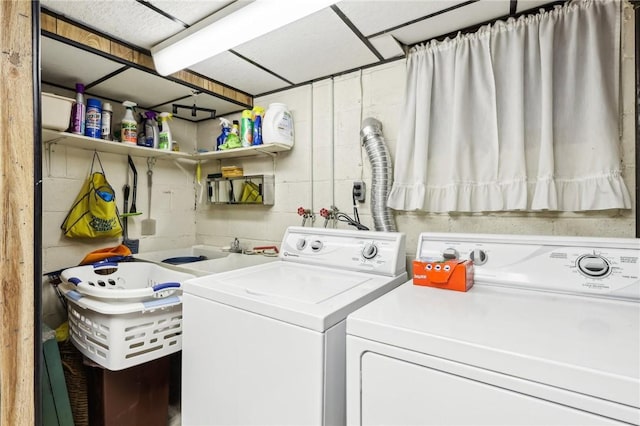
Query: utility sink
pixel 215 259
pixel 229 263
pixel 181 256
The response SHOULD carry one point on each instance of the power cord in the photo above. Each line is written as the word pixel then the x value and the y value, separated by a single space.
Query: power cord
pixel 343 217
pixel 355 205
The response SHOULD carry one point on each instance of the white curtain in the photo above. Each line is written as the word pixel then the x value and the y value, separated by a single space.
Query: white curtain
pixel 521 115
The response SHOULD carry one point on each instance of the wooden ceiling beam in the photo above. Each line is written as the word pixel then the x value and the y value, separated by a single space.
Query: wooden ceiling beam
pixel 93 41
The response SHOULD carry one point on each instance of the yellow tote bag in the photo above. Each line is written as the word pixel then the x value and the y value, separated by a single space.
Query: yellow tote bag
pixel 94 213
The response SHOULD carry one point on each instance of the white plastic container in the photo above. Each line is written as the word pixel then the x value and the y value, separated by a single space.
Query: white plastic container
pixel 124 314
pixel 123 282
pixel 121 335
pixel 277 126
pixel 56 111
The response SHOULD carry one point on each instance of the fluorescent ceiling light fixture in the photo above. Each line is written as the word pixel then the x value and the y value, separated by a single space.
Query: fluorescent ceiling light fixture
pixel 215 35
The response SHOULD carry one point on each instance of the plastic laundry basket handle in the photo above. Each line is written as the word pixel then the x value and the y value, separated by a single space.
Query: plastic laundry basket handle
pixel 162 286
pixel 104 265
pixel 75 280
pixel 112 259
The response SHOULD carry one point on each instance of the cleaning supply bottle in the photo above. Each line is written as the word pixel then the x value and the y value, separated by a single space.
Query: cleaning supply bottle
pixel 107 116
pixel 233 138
pixel 164 134
pixel 140 118
pixel 78 111
pixel 258 113
pixel 151 130
pixel 278 125
pixel 225 128
pixel 246 128
pixel 93 119
pixel 129 132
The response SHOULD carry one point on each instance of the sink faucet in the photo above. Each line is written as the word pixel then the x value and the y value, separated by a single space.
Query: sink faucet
pixel 235 246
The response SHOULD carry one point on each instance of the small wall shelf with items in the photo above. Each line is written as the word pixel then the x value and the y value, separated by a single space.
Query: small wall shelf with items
pixel 266 149
pixel 251 189
pixel 56 111
pixel 53 137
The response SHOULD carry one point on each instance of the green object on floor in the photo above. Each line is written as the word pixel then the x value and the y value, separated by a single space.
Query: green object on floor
pixel 56 408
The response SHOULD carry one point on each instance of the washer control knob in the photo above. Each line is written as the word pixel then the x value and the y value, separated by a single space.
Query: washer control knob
pixel 478 256
pixel 450 253
pixel 369 251
pixel 593 265
pixel 301 244
pixel 316 245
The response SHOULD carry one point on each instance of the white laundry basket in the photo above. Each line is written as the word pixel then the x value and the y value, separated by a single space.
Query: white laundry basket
pixel 114 331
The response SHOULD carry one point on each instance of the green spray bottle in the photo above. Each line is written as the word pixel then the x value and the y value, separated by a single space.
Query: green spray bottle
pixel 164 134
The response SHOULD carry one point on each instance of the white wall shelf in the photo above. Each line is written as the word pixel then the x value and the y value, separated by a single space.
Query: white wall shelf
pixel 51 137
pixel 266 149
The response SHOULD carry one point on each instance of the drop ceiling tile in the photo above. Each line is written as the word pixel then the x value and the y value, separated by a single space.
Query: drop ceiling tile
pixel 234 71
pixel 141 87
pixel 202 100
pixel 387 45
pixel 315 46
pixel 451 21
pixel 126 20
pixel 371 17
pixel 192 11
pixel 65 65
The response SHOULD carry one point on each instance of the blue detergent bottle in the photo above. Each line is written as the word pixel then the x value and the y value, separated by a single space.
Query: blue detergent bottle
pixel 151 130
pixel 258 113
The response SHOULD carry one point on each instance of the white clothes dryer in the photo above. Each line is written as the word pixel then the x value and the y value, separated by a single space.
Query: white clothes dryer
pixel 549 335
pixel 265 345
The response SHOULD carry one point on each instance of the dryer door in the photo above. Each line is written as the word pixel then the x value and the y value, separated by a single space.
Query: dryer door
pixel 387 385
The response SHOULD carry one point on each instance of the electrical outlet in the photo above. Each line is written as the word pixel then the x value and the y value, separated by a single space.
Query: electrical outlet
pixel 359 190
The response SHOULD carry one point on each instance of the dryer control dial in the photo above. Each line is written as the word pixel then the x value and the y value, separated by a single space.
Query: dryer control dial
pixel 450 253
pixel 316 245
pixel 301 244
pixel 593 265
pixel 369 251
pixel 478 256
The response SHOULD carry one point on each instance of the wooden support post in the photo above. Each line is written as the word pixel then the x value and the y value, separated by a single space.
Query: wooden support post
pixel 17 366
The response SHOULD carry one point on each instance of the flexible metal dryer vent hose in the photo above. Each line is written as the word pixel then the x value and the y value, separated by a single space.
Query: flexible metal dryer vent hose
pixel 381 173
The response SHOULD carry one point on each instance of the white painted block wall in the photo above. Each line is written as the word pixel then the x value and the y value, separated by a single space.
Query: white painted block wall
pixel 327 158
pixel 318 172
pixel 64 170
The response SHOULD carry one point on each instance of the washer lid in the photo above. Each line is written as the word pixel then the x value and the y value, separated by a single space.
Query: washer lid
pixel 309 296
pixel 583 344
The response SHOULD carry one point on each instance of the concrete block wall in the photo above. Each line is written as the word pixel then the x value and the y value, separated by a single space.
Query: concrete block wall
pixel 65 169
pixel 327 157
pixel 318 172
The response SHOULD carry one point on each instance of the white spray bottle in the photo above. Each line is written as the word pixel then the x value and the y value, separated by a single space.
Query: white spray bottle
pixel 129 130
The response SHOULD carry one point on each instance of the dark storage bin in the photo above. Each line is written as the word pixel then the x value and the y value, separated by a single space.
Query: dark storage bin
pixel 135 396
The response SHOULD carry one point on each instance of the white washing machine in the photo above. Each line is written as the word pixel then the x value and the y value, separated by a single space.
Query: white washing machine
pixel 265 345
pixel 549 335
